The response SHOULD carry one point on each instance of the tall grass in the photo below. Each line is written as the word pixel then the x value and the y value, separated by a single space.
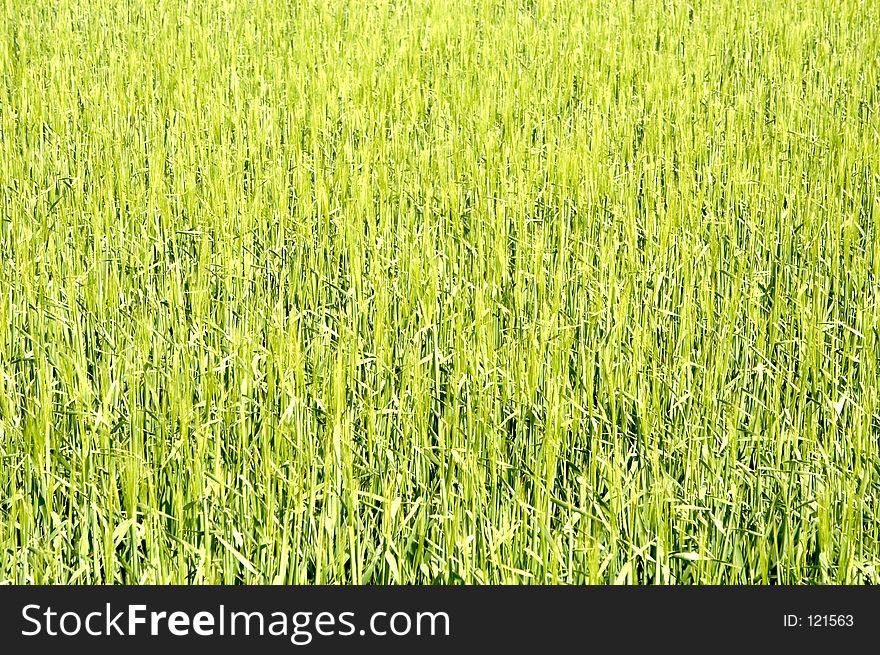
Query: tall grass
pixel 439 291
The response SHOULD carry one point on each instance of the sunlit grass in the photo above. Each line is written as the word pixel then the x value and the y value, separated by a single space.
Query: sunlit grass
pixel 439 291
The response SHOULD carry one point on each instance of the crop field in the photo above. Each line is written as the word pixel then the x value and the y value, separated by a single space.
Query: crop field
pixel 440 291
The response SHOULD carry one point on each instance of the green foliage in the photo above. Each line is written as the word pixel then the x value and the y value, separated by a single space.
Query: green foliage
pixel 438 291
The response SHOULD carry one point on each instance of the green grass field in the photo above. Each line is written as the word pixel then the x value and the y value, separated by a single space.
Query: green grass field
pixel 440 291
